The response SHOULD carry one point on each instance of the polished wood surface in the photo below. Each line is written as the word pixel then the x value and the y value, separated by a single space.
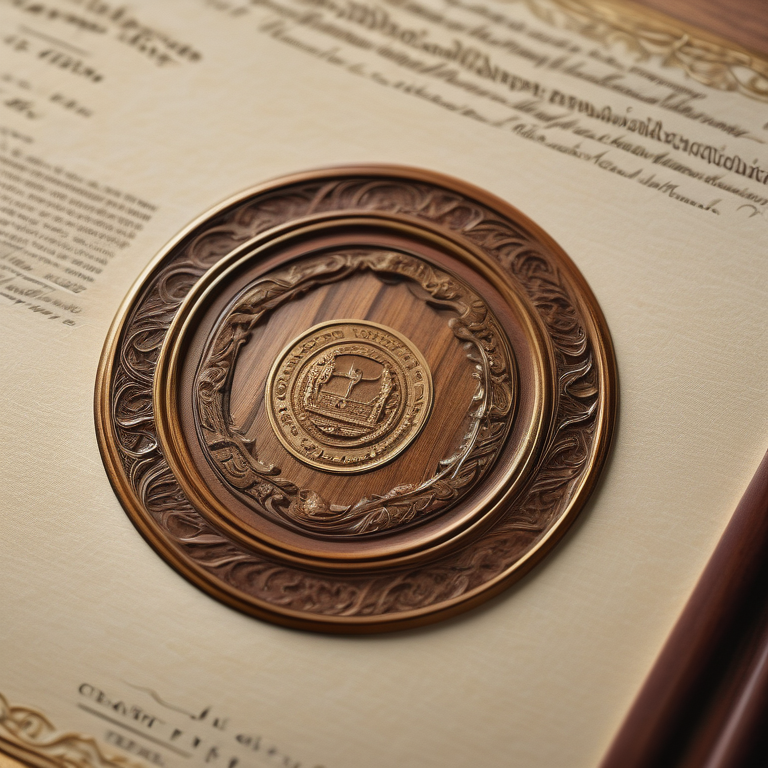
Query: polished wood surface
pixel 363 297
pixel 384 298
pixel 705 701
pixel 743 21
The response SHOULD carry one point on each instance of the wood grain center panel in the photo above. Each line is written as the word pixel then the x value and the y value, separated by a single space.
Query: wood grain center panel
pixel 361 297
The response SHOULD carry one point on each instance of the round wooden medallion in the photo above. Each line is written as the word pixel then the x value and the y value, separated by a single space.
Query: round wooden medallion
pixel 356 399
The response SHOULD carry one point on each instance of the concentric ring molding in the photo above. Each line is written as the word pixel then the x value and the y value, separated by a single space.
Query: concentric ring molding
pixel 546 464
pixel 176 448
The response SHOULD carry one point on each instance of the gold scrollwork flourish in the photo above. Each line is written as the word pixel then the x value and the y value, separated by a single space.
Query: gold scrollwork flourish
pixel 235 459
pixel 717 65
pixel 29 734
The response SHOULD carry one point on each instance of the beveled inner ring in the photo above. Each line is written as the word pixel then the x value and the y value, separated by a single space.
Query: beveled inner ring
pixel 214 294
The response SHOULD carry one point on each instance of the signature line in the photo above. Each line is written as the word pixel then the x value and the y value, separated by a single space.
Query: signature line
pixel 162 703
pixel 133 730
pixel 54 40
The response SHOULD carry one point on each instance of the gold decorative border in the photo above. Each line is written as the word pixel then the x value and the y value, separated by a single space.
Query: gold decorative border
pixel 28 735
pixel 705 57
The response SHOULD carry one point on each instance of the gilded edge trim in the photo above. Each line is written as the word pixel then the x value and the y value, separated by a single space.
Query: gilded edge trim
pixel 26 734
pixel 706 57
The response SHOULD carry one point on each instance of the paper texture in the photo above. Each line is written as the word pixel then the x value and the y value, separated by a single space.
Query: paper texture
pixel 118 126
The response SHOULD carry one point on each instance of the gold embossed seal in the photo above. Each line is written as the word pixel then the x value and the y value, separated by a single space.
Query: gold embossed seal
pixel 348 395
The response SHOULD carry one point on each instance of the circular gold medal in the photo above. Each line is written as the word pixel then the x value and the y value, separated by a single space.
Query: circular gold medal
pixel 348 395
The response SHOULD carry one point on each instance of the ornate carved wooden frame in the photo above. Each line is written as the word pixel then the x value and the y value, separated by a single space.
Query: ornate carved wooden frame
pixel 543 487
pixel 488 423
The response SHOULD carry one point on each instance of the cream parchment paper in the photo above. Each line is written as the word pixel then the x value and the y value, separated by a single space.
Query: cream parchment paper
pixel 642 157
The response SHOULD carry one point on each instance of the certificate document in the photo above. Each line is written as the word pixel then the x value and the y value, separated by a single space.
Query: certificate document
pixel 638 145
